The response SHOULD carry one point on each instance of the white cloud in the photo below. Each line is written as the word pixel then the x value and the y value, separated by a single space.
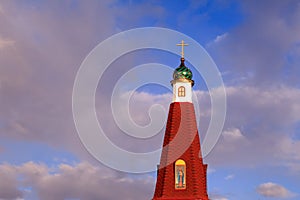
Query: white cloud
pixel 215 196
pixel 40 108
pixel 219 38
pixel 258 117
pixel 233 134
pixel 274 190
pixel 50 48
pixel 37 75
pixel 220 198
pixel 210 170
pixel 252 113
pixel 229 177
pixel 8 183
pixel 68 181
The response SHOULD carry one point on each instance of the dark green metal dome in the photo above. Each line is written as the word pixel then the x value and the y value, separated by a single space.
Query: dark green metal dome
pixel 182 72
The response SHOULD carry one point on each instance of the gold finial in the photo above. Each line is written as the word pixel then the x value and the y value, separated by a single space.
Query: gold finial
pixel 182 44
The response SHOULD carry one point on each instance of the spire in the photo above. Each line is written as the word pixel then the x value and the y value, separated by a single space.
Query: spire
pixel 182 72
pixel 182 82
pixel 181 175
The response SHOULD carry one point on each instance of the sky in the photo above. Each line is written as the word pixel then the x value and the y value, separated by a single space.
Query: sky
pixel 254 44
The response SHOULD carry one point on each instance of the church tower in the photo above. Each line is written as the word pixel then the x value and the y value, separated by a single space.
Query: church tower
pixel 182 175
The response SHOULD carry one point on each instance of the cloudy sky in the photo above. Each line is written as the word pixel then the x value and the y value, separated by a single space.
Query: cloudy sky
pixel 255 44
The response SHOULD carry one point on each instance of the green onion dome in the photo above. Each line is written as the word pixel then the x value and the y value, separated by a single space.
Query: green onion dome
pixel 182 72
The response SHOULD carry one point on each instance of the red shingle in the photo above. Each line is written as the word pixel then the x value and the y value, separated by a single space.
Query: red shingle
pixel 181 141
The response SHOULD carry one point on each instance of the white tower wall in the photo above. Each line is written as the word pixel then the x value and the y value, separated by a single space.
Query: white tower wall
pixel 182 91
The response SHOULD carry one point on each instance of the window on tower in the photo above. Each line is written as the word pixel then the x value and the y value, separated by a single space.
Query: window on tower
pixel 181 91
pixel 180 175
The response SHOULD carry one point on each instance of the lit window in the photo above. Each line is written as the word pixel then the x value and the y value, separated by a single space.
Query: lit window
pixel 180 175
pixel 181 91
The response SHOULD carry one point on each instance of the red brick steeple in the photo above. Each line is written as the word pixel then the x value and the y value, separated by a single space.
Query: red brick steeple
pixel 182 174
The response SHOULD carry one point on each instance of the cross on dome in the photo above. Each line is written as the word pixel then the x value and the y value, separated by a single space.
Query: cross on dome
pixel 182 44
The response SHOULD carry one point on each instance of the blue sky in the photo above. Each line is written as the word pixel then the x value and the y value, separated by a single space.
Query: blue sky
pixel 256 46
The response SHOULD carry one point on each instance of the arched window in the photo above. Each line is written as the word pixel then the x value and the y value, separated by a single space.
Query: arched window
pixel 181 91
pixel 180 175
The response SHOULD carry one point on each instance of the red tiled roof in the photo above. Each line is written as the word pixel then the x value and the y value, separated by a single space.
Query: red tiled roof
pixel 181 141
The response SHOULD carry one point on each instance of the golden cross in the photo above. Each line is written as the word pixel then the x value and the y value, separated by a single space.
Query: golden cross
pixel 182 44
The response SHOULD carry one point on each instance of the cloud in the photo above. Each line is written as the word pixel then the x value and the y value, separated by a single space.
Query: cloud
pixel 37 106
pixel 1 10
pixel 233 134
pixel 50 41
pixel 215 196
pixel 36 76
pixel 8 184
pixel 220 198
pixel 274 190
pixel 218 39
pixel 257 117
pixel 5 42
pixel 229 177
pixel 210 170
pixel 261 44
pixel 81 181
